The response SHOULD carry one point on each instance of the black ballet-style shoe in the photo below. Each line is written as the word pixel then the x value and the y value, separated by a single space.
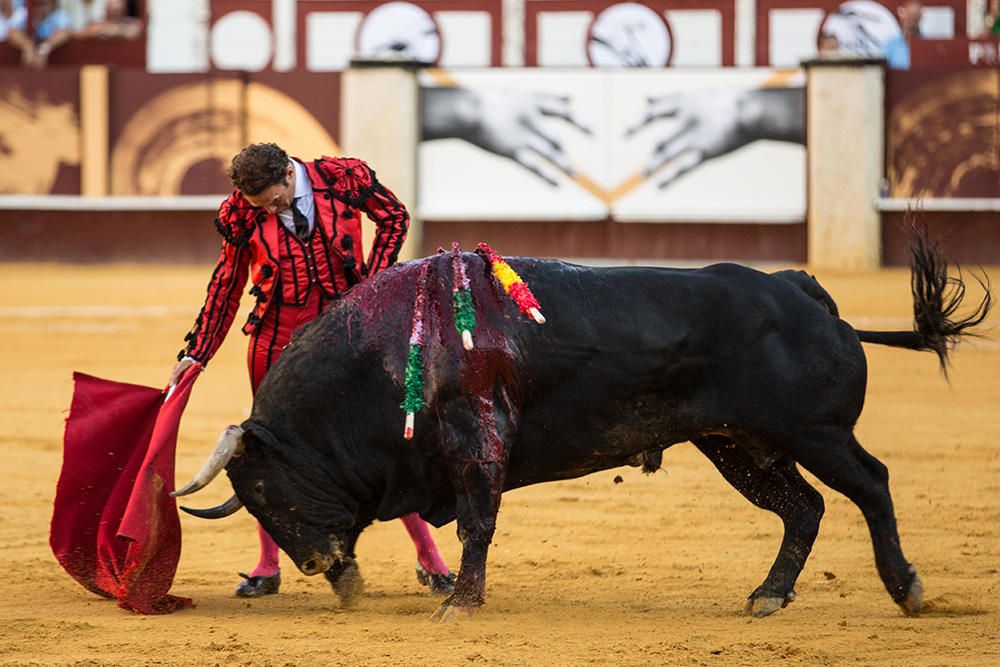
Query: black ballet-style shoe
pixel 254 587
pixel 439 584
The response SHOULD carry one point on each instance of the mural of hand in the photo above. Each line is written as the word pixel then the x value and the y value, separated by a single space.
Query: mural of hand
pixel 504 122
pixel 711 123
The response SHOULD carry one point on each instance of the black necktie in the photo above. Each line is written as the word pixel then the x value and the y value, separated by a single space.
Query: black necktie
pixel 301 221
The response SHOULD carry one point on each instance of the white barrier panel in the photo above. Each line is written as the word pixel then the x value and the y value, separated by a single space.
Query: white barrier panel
pixel 716 145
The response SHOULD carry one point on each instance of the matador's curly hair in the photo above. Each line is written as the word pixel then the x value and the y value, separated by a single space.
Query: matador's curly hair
pixel 257 167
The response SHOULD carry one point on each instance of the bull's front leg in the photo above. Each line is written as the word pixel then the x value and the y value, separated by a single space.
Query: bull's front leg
pixel 478 468
pixel 477 504
pixel 345 580
pixel 344 575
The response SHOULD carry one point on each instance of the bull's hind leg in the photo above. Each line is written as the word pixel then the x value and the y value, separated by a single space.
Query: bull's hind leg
pixel 778 488
pixel 840 462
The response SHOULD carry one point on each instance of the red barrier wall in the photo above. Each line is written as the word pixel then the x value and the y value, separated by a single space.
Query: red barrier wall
pixel 108 236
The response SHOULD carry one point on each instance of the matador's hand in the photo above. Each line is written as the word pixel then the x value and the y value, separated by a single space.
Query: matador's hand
pixel 179 368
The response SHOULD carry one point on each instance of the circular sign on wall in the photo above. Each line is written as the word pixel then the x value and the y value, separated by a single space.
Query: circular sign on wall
pixel 629 35
pixel 399 30
pixel 861 27
pixel 242 40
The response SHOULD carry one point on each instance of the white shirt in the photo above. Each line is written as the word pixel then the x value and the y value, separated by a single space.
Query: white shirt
pixel 18 20
pixel 303 199
pixel 85 12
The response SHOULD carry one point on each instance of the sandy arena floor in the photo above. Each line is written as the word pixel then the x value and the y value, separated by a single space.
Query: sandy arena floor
pixel 654 570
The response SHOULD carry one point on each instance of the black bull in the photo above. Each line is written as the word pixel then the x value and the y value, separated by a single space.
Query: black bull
pixel 756 370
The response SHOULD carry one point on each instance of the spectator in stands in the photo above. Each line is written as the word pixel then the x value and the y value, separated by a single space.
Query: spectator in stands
pixel 13 28
pixel 992 24
pixel 50 29
pixel 83 13
pixel 104 19
pixel 828 45
pixel 897 49
pixel 13 23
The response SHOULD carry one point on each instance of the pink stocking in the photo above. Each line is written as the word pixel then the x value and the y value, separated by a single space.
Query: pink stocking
pixel 268 563
pixel 427 552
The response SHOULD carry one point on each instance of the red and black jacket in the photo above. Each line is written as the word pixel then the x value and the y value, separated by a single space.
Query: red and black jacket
pixel 284 268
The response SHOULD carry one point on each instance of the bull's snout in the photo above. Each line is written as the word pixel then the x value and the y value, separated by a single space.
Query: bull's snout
pixel 315 564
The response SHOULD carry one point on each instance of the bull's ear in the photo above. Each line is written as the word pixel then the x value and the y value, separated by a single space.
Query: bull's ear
pixel 257 438
pixel 250 441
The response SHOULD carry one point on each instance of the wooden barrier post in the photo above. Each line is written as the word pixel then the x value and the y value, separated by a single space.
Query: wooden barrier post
pixel 94 116
pixel 380 123
pixel 846 149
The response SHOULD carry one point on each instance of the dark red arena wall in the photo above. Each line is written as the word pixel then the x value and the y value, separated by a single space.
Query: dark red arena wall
pixel 632 241
pixel 188 236
pixel 968 237
pixel 108 236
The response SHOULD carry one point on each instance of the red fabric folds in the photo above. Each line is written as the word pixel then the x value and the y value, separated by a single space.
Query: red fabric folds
pixel 115 527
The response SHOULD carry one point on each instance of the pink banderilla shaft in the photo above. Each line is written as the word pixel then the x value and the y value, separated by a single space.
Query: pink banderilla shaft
pixel 461 298
pixel 413 399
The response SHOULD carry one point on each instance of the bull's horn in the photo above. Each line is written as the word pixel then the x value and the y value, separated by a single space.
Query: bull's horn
pixel 228 446
pixel 217 512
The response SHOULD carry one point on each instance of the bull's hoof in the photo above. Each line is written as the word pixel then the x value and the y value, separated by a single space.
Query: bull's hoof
pixel 348 585
pixel 765 605
pixel 451 611
pixel 914 600
pixel 439 584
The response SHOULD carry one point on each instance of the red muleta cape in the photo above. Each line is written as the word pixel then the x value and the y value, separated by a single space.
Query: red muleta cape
pixel 115 527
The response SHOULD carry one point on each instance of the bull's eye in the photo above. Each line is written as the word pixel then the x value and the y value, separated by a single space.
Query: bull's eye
pixel 258 488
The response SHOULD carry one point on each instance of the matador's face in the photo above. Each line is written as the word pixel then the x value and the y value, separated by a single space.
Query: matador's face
pixel 278 197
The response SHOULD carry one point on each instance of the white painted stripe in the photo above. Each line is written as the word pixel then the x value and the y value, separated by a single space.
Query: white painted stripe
pixel 94 311
pixel 959 204
pixel 879 323
pixel 68 327
pixel 209 203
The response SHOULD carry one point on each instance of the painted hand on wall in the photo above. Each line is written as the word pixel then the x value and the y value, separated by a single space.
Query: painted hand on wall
pixel 503 122
pixel 711 123
pixel 707 124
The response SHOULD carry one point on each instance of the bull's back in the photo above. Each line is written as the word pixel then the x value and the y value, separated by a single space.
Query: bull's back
pixel 638 358
pixel 648 329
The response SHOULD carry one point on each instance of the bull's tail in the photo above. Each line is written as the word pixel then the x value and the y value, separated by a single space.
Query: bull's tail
pixel 936 298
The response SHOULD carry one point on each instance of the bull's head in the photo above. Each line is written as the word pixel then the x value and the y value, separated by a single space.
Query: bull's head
pixel 291 501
